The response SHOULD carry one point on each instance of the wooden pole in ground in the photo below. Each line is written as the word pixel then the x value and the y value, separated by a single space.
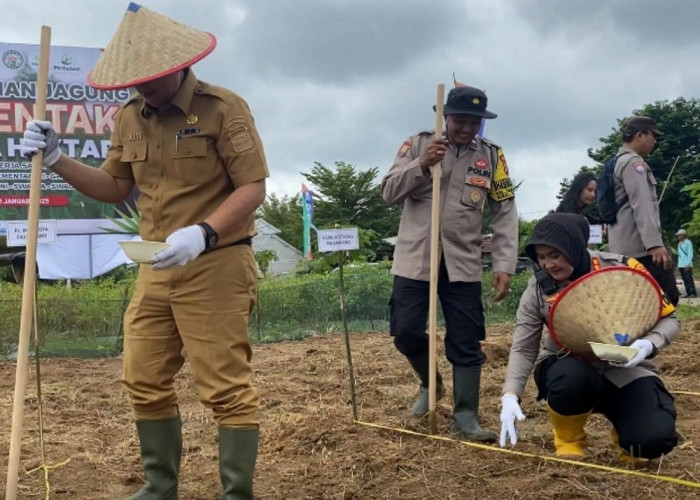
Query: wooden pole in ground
pixel 434 261
pixel 29 277
pixel 344 314
pixel 668 179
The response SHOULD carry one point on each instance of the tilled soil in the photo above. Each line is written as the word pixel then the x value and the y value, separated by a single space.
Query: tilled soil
pixel 312 449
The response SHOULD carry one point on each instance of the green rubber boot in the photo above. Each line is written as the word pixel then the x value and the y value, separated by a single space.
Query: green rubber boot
pixel 161 448
pixel 238 451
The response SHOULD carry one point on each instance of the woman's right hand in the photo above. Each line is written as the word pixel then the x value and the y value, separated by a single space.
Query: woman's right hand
pixel 510 410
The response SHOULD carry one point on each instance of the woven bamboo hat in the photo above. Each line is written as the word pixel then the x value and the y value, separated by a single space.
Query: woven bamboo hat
pixel 147 46
pixel 614 305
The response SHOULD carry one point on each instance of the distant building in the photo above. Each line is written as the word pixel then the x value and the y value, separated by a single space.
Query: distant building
pixel 287 255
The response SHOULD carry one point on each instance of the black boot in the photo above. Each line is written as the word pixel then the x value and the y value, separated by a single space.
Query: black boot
pixel 466 381
pixel 238 451
pixel 421 365
pixel 161 448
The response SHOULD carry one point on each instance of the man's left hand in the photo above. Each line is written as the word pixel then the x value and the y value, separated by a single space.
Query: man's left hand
pixel 185 245
pixel 644 349
pixel 500 285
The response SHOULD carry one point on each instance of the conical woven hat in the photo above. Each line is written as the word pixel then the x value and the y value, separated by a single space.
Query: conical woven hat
pixel 615 305
pixel 147 46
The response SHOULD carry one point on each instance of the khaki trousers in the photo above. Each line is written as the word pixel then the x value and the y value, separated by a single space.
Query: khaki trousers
pixel 202 307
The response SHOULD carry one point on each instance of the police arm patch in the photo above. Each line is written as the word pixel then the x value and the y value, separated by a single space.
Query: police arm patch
pixel 404 149
pixel 501 185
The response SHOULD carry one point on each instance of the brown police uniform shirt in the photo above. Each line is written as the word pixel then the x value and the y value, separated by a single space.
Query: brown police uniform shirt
pixel 472 176
pixel 533 314
pixel 187 158
pixel 638 226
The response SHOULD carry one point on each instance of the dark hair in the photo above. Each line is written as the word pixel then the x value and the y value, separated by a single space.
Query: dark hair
pixel 569 202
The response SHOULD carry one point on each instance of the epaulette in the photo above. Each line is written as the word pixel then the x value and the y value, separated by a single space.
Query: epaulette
pixel 489 143
pixel 214 90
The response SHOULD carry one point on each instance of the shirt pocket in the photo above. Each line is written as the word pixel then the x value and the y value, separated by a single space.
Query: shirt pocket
pixel 136 154
pixel 473 197
pixel 189 161
pixel 652 184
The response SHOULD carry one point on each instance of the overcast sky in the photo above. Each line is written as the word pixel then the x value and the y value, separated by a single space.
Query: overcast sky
pixel 350 80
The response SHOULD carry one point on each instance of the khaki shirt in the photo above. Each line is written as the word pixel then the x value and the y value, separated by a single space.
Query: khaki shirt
pixel 471 176
pixel 187 158
pixel 533 314
pixel 638 226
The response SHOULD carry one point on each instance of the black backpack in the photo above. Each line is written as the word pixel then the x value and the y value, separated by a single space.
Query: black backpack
pixel 605 192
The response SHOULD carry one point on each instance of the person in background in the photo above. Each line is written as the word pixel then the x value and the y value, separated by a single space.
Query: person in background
pixel 631 396
pixel 580 197
pixel 193 151
pixel 474 173
pixel 685 263
pixel 637 232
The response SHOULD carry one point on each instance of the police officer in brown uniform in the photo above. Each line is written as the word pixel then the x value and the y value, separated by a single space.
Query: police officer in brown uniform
pixel 637 232
pixel 193 152
pixel 474 172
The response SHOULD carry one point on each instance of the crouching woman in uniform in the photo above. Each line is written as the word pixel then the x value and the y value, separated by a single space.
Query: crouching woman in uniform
pixel 630 395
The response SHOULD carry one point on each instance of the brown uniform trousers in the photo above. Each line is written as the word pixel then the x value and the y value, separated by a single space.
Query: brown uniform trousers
pixel 203 307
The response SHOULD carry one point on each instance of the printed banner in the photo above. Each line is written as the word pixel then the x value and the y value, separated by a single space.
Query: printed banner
pixel 307 206
pixel 82 116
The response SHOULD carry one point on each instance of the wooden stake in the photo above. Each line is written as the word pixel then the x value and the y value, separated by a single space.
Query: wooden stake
pixel 668 179
pixel 344 314
pixel 434 262
pixel 29 277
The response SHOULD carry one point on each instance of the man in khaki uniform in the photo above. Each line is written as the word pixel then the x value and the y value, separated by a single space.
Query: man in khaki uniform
pixel 193 152
pixel 474 172
pixel 637 232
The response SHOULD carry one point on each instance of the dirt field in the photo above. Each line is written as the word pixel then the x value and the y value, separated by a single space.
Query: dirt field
pixel 311 449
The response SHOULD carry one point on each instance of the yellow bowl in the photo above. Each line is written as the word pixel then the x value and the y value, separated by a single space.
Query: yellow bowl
pixel 142 252
pixel 613 352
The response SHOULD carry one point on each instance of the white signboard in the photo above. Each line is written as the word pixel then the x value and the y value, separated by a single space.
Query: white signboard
pixel 333 240
pixel 17 232
pixel 596 234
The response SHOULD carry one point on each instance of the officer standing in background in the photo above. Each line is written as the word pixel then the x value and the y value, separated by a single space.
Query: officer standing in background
pixel 685 263
pixel 637 232
pixel 474 172
pixel 193 151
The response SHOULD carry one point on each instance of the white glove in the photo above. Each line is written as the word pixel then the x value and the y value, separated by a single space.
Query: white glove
pixel 510 410
pixel 644 349
pixel 40 135
pixel 185 245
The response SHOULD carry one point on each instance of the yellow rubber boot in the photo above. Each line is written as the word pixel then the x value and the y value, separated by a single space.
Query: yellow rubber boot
pixel 623 456
pixel 569 436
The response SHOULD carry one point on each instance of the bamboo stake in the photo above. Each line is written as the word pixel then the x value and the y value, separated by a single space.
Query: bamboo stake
pixel 434 260
pixel 344 314
pixel 29 277
pixel 668 179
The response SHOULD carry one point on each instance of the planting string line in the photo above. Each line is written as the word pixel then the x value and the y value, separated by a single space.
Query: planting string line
pixel 669 479
pixel 40 405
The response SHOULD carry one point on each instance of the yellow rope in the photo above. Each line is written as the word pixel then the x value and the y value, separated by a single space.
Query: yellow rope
pixel 46 468
pixel 687 393
pixel 669 479
pixel 40 410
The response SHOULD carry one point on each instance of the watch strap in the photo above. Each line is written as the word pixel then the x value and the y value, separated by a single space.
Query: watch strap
pixel 211 238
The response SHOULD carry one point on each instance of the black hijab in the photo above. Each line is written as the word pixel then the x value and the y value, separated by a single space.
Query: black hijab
pixel 569 234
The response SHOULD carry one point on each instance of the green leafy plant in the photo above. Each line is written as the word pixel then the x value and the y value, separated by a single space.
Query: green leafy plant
pixel 129 223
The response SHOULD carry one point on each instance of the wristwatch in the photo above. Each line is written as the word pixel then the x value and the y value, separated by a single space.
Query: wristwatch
pixel 211 239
